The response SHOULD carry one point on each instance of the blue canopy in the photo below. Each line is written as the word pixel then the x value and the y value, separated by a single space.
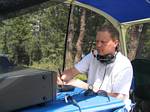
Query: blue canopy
pixel 122 10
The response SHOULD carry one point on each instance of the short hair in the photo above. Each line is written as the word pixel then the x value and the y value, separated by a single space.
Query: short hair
pixel 111 29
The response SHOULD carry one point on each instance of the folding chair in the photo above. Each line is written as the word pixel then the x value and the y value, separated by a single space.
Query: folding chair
pixel 141 69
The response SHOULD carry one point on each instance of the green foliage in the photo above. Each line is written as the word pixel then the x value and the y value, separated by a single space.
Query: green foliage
pixel 36 37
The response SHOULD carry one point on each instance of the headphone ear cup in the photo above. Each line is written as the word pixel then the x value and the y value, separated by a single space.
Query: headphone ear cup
pixel 98 57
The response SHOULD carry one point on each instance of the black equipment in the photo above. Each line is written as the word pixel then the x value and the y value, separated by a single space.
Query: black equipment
pixel 108 58
pixel 27 87
pixel 99 93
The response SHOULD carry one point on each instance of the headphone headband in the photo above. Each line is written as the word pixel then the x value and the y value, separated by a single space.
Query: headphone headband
pixel 108 58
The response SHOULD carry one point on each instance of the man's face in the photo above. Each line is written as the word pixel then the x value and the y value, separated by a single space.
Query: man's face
pixel 105 44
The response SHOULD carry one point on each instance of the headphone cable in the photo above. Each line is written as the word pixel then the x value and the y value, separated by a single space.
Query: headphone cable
pixel 70 99
pixel 103 77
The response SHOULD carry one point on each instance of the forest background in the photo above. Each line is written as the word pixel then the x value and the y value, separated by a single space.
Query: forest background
pixel 37 39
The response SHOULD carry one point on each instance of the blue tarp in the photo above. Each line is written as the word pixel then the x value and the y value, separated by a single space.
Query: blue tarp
pixel 122 10
pixel 4 62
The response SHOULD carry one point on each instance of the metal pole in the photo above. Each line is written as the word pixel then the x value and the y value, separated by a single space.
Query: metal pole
pixel 68 24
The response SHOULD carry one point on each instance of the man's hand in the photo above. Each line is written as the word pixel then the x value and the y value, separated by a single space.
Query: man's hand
pixel 95 89
pixel 68 74
pixel 59 81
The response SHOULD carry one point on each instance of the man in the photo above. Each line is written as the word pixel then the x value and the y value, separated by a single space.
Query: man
pixel 106 67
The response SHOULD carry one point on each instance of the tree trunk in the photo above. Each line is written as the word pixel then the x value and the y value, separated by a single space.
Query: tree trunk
pixel 133 41
pixel 141 41
pixel 81 36
pixel 69 57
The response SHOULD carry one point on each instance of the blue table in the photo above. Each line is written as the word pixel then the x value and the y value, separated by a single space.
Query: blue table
pixel 86 103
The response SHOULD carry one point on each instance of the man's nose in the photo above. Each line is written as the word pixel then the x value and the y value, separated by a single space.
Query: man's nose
pixel 99 44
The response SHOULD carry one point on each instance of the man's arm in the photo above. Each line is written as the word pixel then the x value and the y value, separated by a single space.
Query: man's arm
pixel 122 83
pixel 77 83
pixel 80 84
pixel 69 74
pixel 118 95
pixel 66 76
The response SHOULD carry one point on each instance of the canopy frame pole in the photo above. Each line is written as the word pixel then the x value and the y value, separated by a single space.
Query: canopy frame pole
pixel 66 37
pixel 123 31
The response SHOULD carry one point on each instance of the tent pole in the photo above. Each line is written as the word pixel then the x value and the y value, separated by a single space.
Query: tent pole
pixel 66 38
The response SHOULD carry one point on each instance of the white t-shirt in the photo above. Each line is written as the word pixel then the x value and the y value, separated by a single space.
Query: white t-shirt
pixel 115 77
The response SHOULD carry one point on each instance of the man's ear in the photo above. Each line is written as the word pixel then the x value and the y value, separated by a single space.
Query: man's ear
pixel 116 43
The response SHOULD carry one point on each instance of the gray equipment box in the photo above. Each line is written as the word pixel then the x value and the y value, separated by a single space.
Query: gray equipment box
pixel 23 88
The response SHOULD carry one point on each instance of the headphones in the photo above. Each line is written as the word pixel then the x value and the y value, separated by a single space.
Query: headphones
pixel 108 58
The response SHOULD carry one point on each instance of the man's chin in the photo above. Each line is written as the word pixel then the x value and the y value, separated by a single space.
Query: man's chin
pixel 102 54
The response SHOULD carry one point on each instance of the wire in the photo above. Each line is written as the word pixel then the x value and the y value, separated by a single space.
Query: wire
pixel 103 93
pixel 103 77
pixel 70 99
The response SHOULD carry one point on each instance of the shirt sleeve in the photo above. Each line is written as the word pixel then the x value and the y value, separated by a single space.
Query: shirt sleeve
pixel 83 65
pixel 123 81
